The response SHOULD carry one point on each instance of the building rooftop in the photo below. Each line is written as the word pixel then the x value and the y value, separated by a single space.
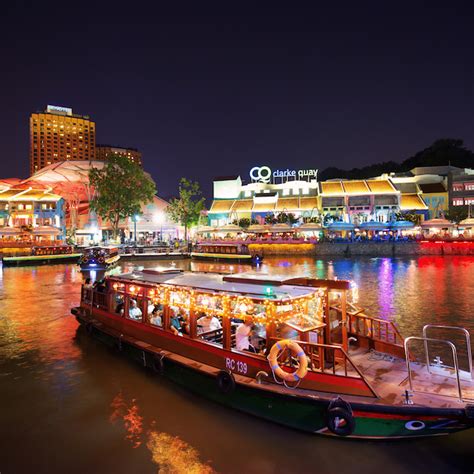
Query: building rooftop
pixel 432 188
pixel 412 202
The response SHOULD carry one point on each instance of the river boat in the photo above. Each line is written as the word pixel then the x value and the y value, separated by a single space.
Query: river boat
pixel 237 252
pixel 322 365
pixel 99 258
pixel 44 255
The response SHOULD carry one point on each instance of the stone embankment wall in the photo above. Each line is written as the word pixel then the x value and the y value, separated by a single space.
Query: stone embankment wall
pixel 369 249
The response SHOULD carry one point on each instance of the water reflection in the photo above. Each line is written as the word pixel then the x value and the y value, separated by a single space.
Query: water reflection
pixel 170 453
pixel 60 387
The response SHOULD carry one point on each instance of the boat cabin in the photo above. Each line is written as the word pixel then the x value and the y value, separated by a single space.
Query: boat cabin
pixel 222 249
pixel 198 315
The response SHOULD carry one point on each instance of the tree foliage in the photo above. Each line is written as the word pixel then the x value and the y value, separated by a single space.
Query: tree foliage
pixel 408 216
pixel 121 186
pixel 457 214
pixel 244 222
pixel 186 209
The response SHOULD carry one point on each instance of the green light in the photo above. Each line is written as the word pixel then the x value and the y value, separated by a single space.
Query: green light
pixel 268 290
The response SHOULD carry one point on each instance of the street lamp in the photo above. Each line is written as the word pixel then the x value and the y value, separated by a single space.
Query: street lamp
pixel 159 218
pixel 135 219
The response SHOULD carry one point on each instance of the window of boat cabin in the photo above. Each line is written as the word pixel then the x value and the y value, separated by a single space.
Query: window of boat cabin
pixel 302 318
pixel 134 303
pixel 209 312
pixel 154 307
pixel 245 337
pixel 178 307
pixel 117 300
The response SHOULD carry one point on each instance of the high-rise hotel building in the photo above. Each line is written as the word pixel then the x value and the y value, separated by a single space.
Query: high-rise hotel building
pixel 59 135
pixel 103 152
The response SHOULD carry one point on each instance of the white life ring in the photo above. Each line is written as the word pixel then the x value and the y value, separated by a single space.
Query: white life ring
pixel 296 351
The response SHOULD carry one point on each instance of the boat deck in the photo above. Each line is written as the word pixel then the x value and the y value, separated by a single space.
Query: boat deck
pixel 388 376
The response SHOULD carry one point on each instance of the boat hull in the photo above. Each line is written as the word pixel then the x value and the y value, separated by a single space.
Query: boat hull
pixel 40 259
pixel 218 257
pixel 310 414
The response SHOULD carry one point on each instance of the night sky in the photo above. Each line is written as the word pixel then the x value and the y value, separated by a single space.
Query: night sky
pixel 207 89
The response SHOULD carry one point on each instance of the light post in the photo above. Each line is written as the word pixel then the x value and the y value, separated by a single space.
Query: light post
pixel 159 218
pixel 135 219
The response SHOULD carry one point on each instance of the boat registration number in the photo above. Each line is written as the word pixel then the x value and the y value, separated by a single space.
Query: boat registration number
pixel 236 365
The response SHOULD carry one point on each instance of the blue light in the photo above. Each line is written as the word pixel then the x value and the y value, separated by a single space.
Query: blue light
pixel 93 265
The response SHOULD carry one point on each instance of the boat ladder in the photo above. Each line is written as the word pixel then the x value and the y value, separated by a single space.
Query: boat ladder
pixel 438 367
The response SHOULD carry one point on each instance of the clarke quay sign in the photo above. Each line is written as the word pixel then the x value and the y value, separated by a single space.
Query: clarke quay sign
pixel 263 174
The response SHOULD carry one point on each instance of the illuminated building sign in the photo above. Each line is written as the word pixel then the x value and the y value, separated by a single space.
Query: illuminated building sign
pixel 56 109
pixel 263 174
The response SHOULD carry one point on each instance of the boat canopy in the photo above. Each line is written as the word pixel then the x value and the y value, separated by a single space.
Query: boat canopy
pixel 273 290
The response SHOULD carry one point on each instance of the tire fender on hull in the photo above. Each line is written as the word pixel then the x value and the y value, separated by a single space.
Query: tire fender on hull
pixel 339 417
pixel 225 382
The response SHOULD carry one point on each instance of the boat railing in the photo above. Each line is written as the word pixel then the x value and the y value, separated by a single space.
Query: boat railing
pixel 425 341
pixel 463 331
pixel 97 299
pixel 327 359
pixel 374 328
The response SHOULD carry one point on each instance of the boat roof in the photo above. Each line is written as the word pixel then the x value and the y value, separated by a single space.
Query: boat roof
pixel 270 288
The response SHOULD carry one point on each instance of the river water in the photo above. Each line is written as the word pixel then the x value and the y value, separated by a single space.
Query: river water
pixel 70 404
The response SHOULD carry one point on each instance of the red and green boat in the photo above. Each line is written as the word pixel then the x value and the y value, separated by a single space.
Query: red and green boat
pixel 294 351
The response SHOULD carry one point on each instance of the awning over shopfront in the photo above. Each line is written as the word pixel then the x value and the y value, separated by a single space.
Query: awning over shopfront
pixel 341 226
pixel 10 231
pixel 373 225
pixel 257 229
pixel 309 227
pixel 229 228
pixel 469 222
pixel 281 228
pixel 46 230
pixel 204 229
pixel 437 224
pixel 401 225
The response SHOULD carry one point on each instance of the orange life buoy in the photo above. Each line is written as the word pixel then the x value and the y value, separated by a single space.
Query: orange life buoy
pixel 296 351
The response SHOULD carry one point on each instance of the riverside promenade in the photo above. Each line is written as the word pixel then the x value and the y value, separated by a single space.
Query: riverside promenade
pixel 367 248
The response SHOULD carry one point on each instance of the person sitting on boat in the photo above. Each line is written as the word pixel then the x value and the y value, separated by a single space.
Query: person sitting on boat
pixel 184 324
pixel 134 312
pixel 242 336
pixel 156 316
pixel 175 324
pixel 88 284
pixel 208 322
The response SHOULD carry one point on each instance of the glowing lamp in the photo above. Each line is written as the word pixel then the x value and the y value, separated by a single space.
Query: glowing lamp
pixel 268 290
pixel 243 308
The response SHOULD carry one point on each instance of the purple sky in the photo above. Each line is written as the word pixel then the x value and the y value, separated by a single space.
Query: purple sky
pixel 206 89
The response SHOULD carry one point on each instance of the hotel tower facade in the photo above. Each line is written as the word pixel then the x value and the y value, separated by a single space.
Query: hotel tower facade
pixel 59 135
